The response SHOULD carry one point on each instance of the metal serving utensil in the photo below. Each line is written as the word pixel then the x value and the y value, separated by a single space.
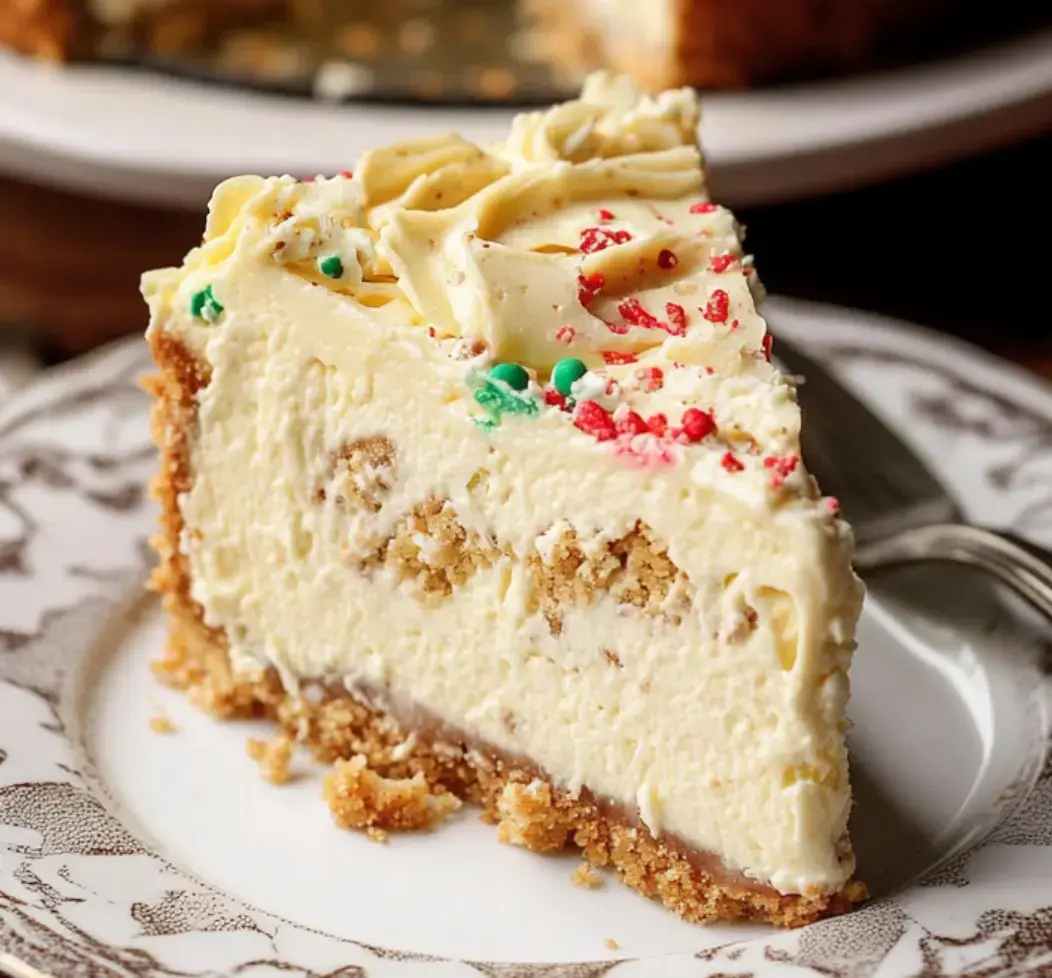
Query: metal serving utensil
pixel 900 512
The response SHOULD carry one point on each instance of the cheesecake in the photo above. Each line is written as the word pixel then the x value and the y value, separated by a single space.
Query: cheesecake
pixel 477 478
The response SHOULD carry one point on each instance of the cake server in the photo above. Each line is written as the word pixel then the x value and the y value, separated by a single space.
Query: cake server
pixel 900 512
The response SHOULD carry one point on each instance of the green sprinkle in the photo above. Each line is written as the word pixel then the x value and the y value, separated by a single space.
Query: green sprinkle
pixel 498 399
pixel 331 266
pixel 566 373
pixel 511 374
pixel 204 305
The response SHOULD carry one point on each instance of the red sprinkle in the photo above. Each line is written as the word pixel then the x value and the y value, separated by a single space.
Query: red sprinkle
pixel 768 340
pixel 589 286
pixel 677 317
pixel 833 505
pixel 346 174
pixel 593 239
pixel 554 398
pixel 781 468
pixel 615 356
pixel 697 424
pixel 565 334
pixel 735 324
pixel 597 239
pixel 308 180
pixel 667 259
pixel 658 424
pixel 605 215
pixel 431 331
pixel 703 207
pixel 718 306
pixel 650 379
pixel 636 315
pixel 730 463
pixel 720 263
pixel 594 421
pixel 631 423
pixel 784 466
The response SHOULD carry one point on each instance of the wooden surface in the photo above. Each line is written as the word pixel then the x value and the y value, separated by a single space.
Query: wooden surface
pixel 965 249
pixel 69 271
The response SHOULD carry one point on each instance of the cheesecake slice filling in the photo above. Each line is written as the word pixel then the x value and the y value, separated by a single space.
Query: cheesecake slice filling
pixel 485 443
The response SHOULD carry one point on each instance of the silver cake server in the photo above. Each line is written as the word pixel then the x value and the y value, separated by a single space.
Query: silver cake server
pixel 900 512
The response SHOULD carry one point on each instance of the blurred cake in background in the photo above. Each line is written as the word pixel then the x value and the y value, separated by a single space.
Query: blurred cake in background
pixel 493 50
pixel 715 44
pixel 59 30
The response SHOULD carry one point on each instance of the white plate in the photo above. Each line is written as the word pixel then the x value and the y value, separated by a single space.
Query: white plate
pixel 145 137
pixel 125 852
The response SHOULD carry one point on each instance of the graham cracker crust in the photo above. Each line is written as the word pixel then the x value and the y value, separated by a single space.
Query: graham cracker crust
pixel 397 767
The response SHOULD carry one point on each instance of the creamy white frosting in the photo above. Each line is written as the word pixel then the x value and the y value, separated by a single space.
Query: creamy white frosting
pixel 723 719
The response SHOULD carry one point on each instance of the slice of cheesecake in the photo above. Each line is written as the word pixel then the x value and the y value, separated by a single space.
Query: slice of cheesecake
pixel 477 477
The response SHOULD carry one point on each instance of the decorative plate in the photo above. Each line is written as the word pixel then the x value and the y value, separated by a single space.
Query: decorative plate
pixel 144 136
pixel 130 852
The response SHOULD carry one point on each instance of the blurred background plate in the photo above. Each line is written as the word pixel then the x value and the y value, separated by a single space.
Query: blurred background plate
pixel 166 137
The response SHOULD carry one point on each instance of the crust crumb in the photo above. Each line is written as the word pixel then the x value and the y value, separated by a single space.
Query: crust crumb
pixel 587 877
pixel 529 818
pixel 359 798
pixel 611 944
pixel 273 757
pixel 162 724
pixel 634 569
pixel 363 473
pixel 429 545
pixel 433 548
